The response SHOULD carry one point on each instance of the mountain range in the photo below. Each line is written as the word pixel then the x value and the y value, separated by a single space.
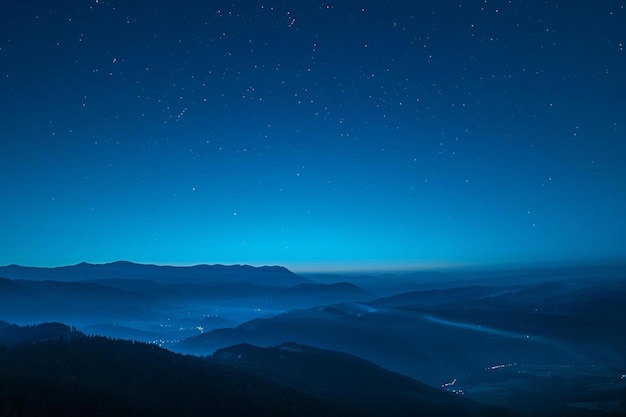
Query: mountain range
pixel 541 342
pixel 265 275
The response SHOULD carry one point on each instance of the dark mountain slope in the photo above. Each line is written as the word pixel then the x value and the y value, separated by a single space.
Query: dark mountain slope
pixel 349 379
pixel 101 377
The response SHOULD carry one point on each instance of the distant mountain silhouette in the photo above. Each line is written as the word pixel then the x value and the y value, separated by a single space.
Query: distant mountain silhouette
pixel 400 340
pixel 265 275
pixel 323 289
pixel 28 301
pixel 431 297
pixel 419 333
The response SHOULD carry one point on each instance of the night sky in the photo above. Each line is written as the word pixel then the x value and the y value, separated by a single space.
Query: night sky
pixel 319 136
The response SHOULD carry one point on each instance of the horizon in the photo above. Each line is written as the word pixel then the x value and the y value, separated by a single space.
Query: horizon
pixel 368 271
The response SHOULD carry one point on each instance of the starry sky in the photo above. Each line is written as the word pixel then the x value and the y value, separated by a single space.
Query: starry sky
pixel 316 135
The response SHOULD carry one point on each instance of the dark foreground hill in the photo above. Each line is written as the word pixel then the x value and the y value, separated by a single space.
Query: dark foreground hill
pixel 92 376
pixel 77 375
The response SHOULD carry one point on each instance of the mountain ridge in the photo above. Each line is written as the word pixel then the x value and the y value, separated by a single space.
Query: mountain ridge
pixel 268 275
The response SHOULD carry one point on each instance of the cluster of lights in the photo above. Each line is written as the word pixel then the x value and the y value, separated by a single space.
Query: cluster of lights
pixel 506 365
pixel 454 391
pixel 161 342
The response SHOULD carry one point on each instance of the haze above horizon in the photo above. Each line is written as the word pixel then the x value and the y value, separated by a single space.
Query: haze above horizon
pixel 372 271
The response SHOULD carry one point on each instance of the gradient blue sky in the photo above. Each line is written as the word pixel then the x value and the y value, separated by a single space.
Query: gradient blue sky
pixel 315 135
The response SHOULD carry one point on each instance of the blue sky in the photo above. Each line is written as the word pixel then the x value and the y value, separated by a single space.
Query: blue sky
pixel 317 136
